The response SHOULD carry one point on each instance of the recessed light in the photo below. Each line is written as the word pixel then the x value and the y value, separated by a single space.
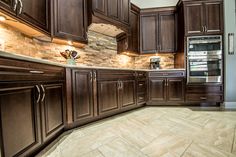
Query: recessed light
pixel 2 18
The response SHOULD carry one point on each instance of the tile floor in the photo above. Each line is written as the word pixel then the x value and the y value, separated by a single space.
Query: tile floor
pixel 153 132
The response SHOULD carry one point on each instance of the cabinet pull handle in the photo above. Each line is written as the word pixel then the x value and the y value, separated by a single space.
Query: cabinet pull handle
pixel 39 94
pixel 95 75
pixel 205 28
pixel 36 72
pixel 43 93
pixel 91 76
pixel 203 98
pixel 121 85
pixel 141 98
pixel 118 85
pixel 21 7
pixel 15 5
pixel 140 84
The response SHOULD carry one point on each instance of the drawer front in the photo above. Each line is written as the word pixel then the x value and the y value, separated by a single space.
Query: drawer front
pixel 167 74
pixel 141 98
pixel 204 89
pixel 141 86
pixel 141 75
pixel 115 75
pixel 204 98
pixel 16 70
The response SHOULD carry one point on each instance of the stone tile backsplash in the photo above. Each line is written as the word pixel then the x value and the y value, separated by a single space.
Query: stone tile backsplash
pixel 100 51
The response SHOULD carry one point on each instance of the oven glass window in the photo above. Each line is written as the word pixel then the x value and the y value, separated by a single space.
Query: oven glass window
pixel 205 67
pixel 205 47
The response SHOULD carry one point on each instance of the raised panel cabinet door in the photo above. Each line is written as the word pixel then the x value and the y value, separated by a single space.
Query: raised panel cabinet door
pixel 70 20
pixel 214 17
pixel 19 116
pixel 157 89
pixel 7 5
pixel 35 12
pixel 167 32
pixel 128 98
pixel 125 11
pixel 194 18
pixel 113 9
pixel 108 97
pixel 149 33
pixel 100 6
pixel 82 95
pixel 134 37
pixel 175 91
pixel 52 110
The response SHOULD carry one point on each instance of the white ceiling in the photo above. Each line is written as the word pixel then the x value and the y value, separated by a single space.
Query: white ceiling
pixel 154 3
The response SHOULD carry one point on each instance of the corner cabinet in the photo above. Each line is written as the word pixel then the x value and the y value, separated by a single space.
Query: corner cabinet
pixel 158 32
pixel 70 20
pixel 203 18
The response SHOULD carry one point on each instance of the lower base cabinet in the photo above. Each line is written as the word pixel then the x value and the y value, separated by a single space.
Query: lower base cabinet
pixel 128 93
pixel 23 108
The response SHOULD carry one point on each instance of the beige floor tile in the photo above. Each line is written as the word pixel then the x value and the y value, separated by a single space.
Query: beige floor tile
pixel 234 145
pixel 200 150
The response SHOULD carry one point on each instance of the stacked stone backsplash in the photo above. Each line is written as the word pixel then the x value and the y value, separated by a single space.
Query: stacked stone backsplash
pixel 100 51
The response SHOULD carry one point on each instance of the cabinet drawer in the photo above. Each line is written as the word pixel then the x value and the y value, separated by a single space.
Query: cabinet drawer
pixel 17 70
pixel 141 98
pixel 115 75
pixel 167 74
pixel 141 86
pixel 141 75
pixel 204 98
pixel 204 88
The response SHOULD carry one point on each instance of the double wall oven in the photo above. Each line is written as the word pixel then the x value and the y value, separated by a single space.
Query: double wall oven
pixel 204 59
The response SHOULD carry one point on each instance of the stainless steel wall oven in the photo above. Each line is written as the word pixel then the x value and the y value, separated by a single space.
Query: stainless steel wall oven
pixel 204 59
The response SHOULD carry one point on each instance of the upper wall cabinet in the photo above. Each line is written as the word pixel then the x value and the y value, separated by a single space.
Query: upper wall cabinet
pixel 158 32
pixel 115 12
pixel 203 17
pixel 70 20
pixel 32 12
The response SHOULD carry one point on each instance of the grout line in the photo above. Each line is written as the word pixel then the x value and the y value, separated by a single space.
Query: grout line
pixel 233 140
pixel 186 149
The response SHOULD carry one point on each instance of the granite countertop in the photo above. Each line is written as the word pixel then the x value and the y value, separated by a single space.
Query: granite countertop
pixel 43 61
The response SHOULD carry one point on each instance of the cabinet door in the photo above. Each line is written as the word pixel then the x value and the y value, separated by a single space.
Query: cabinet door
pixel 194 18
pixel 167 32
pixel 157 89
pixel 127 95
pixel 134 26
pixel 7 5
pixel 175 91
pixel 149 34
pixel 52 108
pixel 100 6
pixel 82 95
pixel 70 19
pixel 214 17
pixel 108 97
pixel 125 11
pixel 19 115
pixel 36 12
pixel 114 9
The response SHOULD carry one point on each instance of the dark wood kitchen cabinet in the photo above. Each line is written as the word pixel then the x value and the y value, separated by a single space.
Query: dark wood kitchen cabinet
pixel 166 87
pixel 158 32
pixel 108 97
pixel 20 122
pixel 70 20
pixel 203 17
pixel 33 12
pixel 116 12
pixel 100 6
pixel 83 103
pixel 52 109
pixel 127 93
pixel 36 12
pixel 31 106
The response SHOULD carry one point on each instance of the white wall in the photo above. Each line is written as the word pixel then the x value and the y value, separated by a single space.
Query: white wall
pixel 230 60
pixel 154 3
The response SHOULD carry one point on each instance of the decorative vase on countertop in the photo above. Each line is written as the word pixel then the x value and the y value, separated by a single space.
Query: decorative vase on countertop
pixel 70 62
